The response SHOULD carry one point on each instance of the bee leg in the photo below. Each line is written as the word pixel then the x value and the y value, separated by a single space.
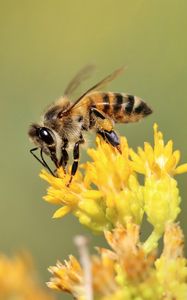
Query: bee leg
pixel 101 133
pixel 100 120
pixel 104 127
pixel 111 137
pixel 75 162
pixel 64 159
pixel 81 141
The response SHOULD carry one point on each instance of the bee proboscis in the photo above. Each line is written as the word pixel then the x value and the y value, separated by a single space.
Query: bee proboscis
pixel 64 123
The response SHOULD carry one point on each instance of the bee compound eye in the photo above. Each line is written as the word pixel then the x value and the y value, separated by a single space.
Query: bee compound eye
pixel 45 135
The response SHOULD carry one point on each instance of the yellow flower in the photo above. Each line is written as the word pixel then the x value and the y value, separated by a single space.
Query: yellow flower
pixel 129 251
pixel 160 192
pixel 80 199
pixel 104 273
pixel 18 279
pixel 158 160
pixel 106 191
pixel 171 267
pixel 125 272
pixel 104 194
pixel 68 277
pixel 161 205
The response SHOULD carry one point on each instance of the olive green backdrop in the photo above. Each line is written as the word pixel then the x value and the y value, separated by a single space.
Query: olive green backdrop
pixel 43 43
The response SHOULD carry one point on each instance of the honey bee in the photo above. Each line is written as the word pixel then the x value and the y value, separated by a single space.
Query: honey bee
pixel 64 123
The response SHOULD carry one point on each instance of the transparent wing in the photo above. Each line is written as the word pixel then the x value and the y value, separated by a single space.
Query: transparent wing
pixel 97 86
pixel 82 75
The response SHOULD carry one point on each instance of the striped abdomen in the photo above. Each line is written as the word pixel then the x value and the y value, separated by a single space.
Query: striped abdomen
pixel 122 108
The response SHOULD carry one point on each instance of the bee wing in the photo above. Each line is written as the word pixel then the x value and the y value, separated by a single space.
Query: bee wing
pixel 97 86
pixel 82 75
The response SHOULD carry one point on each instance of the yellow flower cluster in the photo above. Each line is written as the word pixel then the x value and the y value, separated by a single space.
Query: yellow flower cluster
pixel 159 160
pixel 97 198
pixel 107 191
pixel 18 279
pixel 171 267
pixel 107 197
pixel 126 272
pixel 68 277
pixel 161 194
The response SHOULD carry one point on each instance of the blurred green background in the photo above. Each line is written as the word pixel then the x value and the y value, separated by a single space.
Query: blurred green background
pixel 43 44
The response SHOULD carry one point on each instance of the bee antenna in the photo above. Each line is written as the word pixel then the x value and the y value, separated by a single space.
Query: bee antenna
pixel 41 161
pixel 46 165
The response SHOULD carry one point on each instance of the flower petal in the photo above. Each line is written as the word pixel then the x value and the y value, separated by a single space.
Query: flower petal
pixel 61 212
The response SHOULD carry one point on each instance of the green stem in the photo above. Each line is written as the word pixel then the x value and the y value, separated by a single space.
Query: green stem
pixel 152 241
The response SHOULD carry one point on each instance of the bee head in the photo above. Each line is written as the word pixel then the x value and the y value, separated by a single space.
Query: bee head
pixel 41 136
pixel 48 141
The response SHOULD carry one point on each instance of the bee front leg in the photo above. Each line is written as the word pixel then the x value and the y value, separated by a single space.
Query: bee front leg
pixel 64 159
pixel 75 162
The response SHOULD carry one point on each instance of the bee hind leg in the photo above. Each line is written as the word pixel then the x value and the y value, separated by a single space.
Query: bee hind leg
pixel 104 127
pixel 110 137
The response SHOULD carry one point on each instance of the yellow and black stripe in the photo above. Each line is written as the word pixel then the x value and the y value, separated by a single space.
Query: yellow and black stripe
pixel 122 108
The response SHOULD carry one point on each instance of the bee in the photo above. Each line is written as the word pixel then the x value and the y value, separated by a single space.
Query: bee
pixel 64 123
